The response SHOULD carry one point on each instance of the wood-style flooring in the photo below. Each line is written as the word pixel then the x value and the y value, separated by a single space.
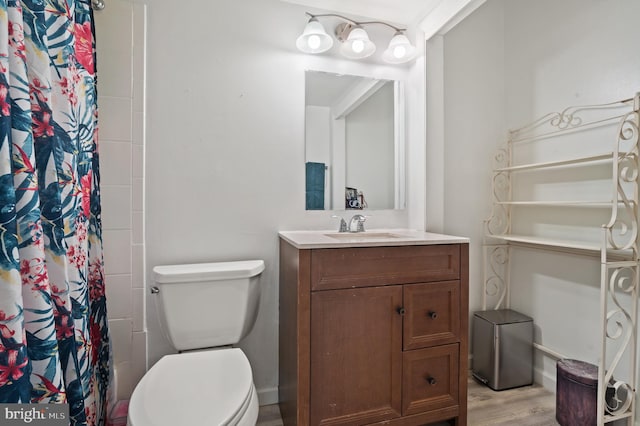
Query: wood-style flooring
pixel 526 406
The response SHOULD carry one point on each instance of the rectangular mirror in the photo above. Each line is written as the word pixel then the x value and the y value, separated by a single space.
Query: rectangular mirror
pixel 354 142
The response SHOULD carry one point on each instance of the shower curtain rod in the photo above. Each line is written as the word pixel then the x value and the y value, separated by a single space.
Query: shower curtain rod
pixel 97 4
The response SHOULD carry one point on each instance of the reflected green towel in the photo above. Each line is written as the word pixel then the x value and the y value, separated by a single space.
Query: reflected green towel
pixel 315 186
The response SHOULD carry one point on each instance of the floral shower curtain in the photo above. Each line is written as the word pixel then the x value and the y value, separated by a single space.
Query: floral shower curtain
pixel 54 344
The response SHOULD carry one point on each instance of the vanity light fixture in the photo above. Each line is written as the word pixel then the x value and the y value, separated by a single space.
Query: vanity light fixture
pixel 355 40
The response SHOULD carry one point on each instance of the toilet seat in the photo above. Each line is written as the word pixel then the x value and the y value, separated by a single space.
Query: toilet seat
pixel 197 388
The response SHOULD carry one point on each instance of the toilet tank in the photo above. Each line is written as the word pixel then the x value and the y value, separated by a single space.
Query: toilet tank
pixel 206 305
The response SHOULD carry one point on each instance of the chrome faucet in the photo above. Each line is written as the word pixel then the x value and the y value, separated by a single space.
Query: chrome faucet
pixel 356 224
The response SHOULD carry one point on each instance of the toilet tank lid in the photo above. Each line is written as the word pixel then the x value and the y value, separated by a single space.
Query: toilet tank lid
pixel 207 271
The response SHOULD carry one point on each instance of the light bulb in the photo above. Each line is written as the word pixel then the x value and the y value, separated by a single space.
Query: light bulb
pixel 313 41
pixel 399 52
pixel 357 46
pixel 400 49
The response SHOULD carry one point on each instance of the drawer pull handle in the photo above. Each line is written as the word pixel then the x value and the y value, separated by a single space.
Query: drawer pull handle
pixel 432 381
pixel 433 314
pixel 401 311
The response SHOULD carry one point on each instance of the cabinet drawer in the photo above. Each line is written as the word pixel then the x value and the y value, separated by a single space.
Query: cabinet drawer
pixel 430 379
pixel 374 266
pixel 432 314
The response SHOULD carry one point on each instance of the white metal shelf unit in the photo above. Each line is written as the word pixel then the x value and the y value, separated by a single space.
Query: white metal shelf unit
pixel 604 135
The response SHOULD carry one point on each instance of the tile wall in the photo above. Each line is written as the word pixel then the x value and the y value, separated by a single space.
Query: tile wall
pixel 120 40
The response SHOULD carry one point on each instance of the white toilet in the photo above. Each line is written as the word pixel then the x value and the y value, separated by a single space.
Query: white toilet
pixel 204 308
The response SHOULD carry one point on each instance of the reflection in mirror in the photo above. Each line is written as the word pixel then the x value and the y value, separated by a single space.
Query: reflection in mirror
pixel 354 142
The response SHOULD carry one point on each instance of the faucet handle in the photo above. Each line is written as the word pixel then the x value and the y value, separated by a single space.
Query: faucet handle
pixel 361 222
pixel 343 224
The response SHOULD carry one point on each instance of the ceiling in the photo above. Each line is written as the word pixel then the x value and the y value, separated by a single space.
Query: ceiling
pixel 403 12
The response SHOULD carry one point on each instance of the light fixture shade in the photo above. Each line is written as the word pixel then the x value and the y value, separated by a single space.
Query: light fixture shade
pixel 314 39
pixel 357 45
pixel 400 50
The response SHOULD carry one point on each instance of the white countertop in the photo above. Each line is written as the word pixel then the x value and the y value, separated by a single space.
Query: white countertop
pixel 369 238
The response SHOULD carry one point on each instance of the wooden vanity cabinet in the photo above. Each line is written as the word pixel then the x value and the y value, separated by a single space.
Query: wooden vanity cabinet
pixel 373 335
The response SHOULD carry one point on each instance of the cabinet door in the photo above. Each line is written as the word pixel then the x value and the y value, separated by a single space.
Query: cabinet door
pixel 433 314
pixel 356 355
pixel 430 379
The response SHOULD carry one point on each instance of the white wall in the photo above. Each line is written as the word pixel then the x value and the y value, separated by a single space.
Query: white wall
pixel 225 151
pixel 318 134
pixel 586 53
pixel 121 144
pixel 473 127
pixel 369 131
pixel 506 64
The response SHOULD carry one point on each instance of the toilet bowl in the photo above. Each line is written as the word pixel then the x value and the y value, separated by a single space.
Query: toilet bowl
pixel 203 309
pixel 198 388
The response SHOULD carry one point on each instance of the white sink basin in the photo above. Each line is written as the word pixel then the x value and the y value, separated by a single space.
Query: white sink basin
pixel 371 238
pixel 361 235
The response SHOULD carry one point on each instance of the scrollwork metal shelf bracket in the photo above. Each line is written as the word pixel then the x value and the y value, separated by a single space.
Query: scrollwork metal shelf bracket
pixel 496 276
pixel 617 373
pixel 496 255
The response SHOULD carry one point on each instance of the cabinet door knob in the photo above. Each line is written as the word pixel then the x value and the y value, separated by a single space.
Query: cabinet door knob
pixel 401 310
pixel 432 381
pixel 433 314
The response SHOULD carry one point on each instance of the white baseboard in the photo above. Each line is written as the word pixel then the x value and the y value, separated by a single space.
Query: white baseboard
pixel 545 378
pixel 268 396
